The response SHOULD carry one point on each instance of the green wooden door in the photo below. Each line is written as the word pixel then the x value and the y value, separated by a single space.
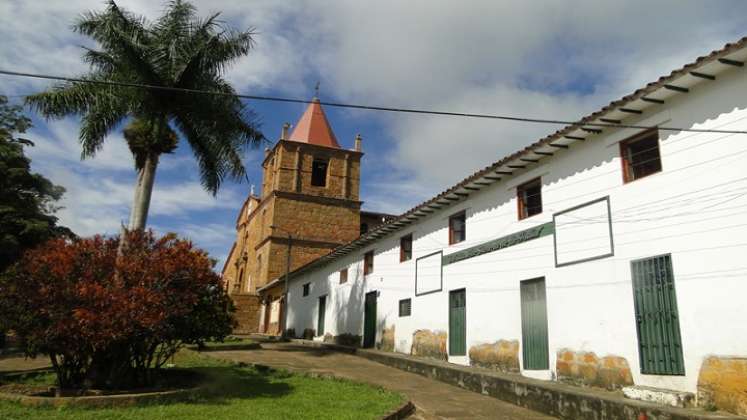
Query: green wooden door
pixel 657 318
pixel 534 325
pixel 457 323
pixel 369 320
pixel 322 313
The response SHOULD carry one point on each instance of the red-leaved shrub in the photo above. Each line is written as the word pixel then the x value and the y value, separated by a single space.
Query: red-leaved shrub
pixel 109 321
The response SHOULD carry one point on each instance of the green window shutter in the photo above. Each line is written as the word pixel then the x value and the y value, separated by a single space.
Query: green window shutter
pixel 457 323
pixel 657 318
pixel 534 340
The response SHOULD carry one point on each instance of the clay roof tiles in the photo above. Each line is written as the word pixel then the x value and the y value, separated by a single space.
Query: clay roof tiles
pixel 313 127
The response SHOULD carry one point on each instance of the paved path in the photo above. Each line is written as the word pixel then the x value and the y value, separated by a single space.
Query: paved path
pixel 9 363
pixel 434 400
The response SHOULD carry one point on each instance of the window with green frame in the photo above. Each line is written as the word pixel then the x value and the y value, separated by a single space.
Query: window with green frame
pixel 657 318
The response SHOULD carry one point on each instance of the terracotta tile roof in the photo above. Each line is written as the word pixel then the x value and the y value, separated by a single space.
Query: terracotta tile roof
pixel 458 191
pixel 313 127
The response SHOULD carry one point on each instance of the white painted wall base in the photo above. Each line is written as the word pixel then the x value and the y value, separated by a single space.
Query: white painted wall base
pixel 459 360
pixel 659 396
pixel 545 375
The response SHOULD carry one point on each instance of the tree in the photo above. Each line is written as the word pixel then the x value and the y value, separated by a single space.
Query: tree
pixel 27 199
pixel 177 51
pixel 107 330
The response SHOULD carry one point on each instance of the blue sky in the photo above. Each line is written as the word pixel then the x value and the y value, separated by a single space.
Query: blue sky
pixel 551 59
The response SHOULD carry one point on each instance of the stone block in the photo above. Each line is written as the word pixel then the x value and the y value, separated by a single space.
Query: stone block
pixel 587 369
pixel 502 355
pixel 722 384
pixel 427 343
pixel 387 339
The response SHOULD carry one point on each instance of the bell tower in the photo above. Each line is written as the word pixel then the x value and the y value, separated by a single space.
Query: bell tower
pixel 309 201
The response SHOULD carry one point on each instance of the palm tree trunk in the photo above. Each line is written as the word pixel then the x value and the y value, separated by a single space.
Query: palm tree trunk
pixel 143 191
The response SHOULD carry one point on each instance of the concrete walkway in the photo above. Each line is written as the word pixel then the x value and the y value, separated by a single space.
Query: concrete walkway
pixel 433 399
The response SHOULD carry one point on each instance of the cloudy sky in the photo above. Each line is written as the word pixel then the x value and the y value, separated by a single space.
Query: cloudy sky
pixel 546 59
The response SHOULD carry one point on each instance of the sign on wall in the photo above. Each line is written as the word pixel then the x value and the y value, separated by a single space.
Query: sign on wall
pixel 428 274
pixel 583 233
pixel 500 243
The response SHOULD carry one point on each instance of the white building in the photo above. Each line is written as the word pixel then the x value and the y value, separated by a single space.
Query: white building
pixel 602 255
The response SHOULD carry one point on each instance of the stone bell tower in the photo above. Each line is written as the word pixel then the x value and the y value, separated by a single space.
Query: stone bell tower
pixel 310 191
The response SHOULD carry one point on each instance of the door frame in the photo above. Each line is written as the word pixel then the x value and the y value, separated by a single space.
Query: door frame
pixel 372 342
pixel 451 292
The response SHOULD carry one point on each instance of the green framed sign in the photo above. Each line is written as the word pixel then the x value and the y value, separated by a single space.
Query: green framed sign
pixel 501 243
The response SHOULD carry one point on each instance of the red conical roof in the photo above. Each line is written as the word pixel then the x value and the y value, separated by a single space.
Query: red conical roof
pixel 313 127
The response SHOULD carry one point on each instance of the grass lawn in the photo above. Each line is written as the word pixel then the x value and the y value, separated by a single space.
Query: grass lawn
pixel 240 393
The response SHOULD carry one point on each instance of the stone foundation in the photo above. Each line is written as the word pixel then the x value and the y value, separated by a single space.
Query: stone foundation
pixel 247 313
pixel 503 355
pixel 585 368
pixel 387 339
pixel 722 384
pixel 427 343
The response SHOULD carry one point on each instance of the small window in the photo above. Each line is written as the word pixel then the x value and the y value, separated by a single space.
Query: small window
pixel 368 263
pixel 405 248
pixel 319 172
pixel 640 156
pixel 457 228
pixel 306 288
pixel 405 307
pixel 343 275
pixel 529 197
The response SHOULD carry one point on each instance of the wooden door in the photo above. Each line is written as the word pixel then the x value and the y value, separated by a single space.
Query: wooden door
pixel 322 312
pixel 369 320
pixel 457 323
pixel 534 325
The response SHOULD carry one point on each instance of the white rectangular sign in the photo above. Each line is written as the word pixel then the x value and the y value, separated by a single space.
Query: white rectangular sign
pixel 583 233
pixel 428 274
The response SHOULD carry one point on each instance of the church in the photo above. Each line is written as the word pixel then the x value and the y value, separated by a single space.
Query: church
pixel 310 183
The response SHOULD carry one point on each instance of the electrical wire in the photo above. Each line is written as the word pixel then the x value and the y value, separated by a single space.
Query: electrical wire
pixel 366 107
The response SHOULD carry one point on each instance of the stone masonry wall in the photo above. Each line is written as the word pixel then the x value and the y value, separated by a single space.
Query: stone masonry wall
pixel 317 221
pixel 586 368
pixel 502 355
pixel 247 313
pixel 722 384
pixel 387 339
pixel 301 254
pixel 295 176
pixel 427 343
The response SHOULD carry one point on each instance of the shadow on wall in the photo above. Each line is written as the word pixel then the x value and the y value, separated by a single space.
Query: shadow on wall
pixel 349 306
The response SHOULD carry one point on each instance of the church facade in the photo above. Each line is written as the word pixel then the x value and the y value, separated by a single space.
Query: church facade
pixel 309 184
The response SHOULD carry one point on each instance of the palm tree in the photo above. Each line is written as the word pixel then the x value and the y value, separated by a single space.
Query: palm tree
pixel 176 51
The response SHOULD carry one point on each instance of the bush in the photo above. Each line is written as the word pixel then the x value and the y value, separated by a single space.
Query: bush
pixel 109 321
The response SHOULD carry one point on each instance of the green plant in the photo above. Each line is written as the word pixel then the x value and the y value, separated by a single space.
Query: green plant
pixel 108 320
pixel 174 53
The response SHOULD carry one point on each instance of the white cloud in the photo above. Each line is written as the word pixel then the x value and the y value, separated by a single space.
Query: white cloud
pixel 100 189
pixel 553 59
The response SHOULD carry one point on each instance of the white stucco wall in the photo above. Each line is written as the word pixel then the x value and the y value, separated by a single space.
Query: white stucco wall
pixel 694 209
